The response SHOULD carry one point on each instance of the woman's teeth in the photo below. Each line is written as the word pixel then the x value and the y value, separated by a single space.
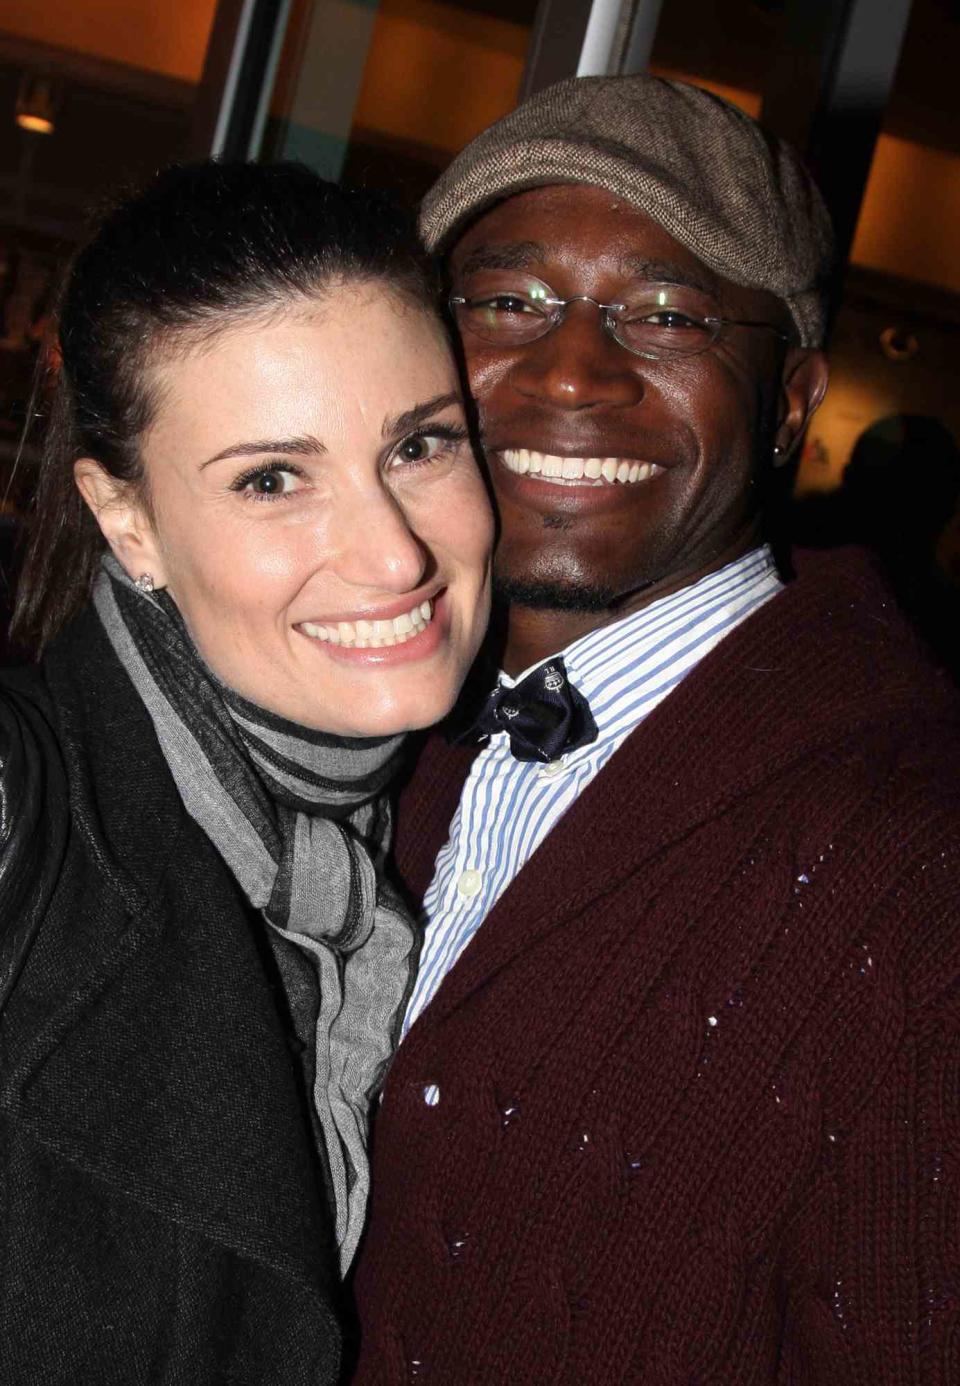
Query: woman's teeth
pixel 598 471
pixel 371 635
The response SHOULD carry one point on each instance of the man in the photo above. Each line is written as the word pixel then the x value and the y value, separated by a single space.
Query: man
pixel 678 1101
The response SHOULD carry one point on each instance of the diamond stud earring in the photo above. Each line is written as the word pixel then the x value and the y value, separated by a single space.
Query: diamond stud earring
pixel 144 583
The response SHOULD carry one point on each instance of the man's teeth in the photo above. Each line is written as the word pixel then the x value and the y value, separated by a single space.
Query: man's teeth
pixel 599 471
pixel 371 635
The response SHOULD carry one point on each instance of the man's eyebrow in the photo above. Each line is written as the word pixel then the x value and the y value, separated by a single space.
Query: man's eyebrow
pixel 666 272
pixel 307 446
pixel 504 255
pixel 411 419
pixel 521 254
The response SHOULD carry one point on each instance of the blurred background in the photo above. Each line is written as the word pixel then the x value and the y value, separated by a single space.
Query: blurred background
pixel 96 93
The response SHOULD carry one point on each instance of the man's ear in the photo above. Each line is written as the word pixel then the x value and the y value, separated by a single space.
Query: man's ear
pixel 123 520
pixel 802 387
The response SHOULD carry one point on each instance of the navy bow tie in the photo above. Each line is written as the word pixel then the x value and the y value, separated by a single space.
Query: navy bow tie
pixel 544 716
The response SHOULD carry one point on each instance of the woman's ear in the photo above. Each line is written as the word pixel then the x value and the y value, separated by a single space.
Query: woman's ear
pixel 123 520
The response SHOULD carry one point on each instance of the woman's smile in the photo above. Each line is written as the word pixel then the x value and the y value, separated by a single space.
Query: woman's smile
pixel 382 638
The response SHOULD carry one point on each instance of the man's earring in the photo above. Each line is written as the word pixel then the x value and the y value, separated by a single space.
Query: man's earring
pixel 780 456
pixel 144 583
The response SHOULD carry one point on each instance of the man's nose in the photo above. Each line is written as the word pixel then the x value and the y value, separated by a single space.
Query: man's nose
pixel 378 548
pixel 578 364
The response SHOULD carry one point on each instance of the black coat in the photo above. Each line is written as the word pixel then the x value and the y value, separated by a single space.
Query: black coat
pixel 163 1213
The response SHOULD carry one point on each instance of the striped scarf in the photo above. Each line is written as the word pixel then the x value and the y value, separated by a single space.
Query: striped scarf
pixel 300 819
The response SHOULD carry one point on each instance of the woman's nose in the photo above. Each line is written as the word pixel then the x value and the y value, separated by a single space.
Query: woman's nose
pixel 378 548
pixel 578 364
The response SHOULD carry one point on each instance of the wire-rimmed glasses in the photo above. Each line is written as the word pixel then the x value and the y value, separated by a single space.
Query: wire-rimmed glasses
pixel 654 320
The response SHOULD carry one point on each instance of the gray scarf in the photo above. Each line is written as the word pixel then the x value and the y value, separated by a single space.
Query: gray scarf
pixel 300 819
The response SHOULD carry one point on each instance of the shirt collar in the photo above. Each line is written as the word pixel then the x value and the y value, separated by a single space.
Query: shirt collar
pixel 640 642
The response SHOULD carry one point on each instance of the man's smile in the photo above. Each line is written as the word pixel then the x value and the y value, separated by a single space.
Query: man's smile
pixel 577 471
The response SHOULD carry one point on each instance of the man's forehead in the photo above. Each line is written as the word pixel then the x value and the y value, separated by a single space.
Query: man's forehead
pixel 496 254
pixel 578 222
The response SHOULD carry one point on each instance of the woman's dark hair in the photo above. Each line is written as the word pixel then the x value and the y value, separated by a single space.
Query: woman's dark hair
pixel 201 247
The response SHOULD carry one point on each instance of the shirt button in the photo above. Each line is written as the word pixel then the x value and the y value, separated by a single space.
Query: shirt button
pixel 469 884
pixel 554 767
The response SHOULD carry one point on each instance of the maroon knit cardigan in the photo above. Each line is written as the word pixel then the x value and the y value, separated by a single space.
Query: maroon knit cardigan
pixel 699 1070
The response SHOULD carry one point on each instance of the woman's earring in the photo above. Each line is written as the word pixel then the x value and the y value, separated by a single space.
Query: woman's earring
pixel 780 457
pixel 144 583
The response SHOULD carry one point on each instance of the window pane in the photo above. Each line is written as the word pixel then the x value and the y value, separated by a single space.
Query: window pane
pixel 387 94
pixel 91 96
pixel 896 341
pixel 726 46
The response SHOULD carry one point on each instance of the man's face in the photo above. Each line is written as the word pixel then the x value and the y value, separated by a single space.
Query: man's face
pixel 704 422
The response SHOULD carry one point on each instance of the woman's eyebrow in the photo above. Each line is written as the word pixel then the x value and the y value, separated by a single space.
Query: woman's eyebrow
pixel 412 418
pixel 307 446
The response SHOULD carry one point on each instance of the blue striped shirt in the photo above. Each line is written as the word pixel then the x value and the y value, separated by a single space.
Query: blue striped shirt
pixel 508 806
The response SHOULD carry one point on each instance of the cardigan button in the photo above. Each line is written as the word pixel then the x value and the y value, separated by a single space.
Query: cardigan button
pixel 509 1113
pixel 431 1094
pixel 456 1244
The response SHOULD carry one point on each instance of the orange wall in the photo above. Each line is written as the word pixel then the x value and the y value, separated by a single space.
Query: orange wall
pixel 910 218
pixel 168 36
pixel 437 75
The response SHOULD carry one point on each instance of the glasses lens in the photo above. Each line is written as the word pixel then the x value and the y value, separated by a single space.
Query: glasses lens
pixel 502 306
pixel 666 320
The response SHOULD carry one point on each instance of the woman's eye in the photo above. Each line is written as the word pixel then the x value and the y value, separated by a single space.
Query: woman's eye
pixel 419 448
pixel 422 448
pixel 268 483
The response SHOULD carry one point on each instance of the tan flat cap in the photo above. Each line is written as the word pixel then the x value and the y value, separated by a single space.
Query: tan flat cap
pixel 737 197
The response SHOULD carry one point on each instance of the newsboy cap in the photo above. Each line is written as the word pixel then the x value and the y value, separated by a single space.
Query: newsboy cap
pixel 728 190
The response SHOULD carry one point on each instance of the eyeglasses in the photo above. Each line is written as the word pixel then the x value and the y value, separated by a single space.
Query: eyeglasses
pixel 655 321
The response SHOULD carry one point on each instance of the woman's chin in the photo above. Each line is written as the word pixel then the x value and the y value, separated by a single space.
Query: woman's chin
pixel 396 720
pixel 375 715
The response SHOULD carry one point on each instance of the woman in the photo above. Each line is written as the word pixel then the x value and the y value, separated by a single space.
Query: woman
pixel 260 555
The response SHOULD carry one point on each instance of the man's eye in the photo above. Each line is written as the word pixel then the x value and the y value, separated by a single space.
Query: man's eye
pixel 667 317
pixel 507 303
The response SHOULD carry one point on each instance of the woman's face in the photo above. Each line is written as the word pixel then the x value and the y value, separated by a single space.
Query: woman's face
pixel 318 515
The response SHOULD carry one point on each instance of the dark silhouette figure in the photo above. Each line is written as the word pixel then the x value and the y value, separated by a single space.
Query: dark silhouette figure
pixel 899 493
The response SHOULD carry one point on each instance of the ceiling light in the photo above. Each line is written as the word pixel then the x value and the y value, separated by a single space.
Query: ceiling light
pixel 35 105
